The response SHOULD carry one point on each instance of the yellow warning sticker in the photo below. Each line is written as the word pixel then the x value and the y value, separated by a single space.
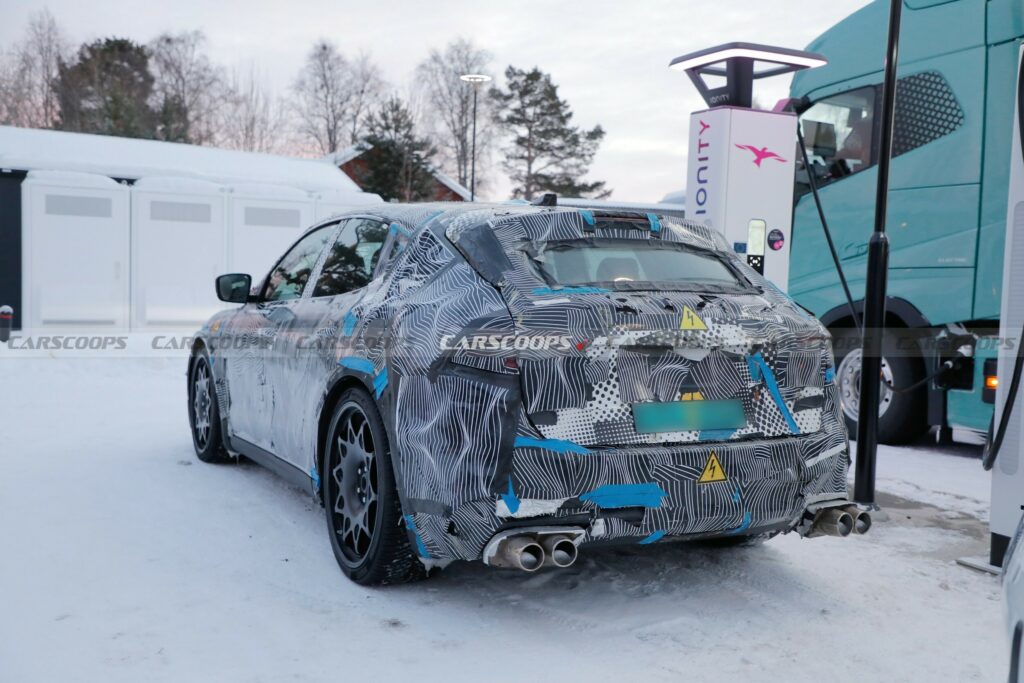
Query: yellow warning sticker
pixel 691 396
pixel 691 321
pixel 712 471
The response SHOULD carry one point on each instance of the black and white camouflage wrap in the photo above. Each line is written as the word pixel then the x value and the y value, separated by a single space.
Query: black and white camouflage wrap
pixel 483 439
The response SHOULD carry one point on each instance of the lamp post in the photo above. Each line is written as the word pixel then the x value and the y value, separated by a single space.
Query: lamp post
pixel 877 277
pixel 476 80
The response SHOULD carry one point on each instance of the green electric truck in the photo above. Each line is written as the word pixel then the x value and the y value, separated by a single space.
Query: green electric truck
pixel 947 202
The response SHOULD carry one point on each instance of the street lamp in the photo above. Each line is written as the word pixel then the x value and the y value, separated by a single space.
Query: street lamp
pixel 476 80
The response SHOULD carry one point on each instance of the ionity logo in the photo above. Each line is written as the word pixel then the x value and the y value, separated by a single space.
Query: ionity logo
pixel 761 154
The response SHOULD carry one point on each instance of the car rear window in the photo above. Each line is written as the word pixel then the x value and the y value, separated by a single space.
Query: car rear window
pixel 628 263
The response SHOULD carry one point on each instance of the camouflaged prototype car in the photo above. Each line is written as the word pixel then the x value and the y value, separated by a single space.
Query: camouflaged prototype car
pixel 509 383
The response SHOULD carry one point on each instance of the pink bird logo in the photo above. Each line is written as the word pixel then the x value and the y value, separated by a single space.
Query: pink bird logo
pixel 761 154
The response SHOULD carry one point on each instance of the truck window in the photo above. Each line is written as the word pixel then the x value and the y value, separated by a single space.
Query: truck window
pixel 839 132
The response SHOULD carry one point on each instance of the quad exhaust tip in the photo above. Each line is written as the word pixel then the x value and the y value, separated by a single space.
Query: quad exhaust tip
pixel 530 549
pixel 861 519
pixel 841 521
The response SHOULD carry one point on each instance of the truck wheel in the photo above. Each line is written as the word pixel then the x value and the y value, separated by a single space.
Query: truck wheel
pixel 901 416
pixel 364 514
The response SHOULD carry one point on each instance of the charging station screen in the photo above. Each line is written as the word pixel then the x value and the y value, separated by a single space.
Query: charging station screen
pixel 755 237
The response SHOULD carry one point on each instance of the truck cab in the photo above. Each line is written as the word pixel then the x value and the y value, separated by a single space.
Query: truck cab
pixel 947 200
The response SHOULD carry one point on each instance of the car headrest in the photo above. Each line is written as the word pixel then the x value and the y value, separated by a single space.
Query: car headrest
pixel 612 268
pixel 820 138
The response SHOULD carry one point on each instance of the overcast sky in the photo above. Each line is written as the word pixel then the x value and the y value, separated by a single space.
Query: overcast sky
pixel 609 58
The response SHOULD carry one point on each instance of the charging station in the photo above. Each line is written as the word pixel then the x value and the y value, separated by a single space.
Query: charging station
pixel 1007 472
pixel 741 160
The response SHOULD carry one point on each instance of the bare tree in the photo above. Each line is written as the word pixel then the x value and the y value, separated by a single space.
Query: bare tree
pixel 366 85
pixel 11 95
pixel 29 73
pixel 322 98
pixel 451 105
pixel 188 87
pixel 252 119
pixel 333 96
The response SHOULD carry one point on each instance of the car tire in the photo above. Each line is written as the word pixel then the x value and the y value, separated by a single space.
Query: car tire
pixel 364 514
pixel 204 412
pixel 902 415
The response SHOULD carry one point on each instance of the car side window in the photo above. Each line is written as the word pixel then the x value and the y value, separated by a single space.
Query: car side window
pixel 399 240
pixel 351 260
pixel 290 275
pixel 839 132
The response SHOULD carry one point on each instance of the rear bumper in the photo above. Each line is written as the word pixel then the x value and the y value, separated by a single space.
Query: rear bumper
pixel 644 494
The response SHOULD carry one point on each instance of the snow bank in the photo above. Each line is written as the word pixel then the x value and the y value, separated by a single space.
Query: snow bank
pixel 126 559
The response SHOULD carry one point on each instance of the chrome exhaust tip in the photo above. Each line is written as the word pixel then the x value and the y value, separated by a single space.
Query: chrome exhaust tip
pixel 525 553
pixel 834 522
pixel 560 551
pixel 518 552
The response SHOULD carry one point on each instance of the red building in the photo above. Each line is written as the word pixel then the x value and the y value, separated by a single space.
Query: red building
pixel 351 163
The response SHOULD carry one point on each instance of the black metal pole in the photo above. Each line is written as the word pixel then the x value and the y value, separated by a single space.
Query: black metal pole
pixel 877 273
pixel 472 161
pixel 740 77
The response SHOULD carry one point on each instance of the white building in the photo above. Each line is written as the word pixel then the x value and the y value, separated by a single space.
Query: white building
pixel 114 233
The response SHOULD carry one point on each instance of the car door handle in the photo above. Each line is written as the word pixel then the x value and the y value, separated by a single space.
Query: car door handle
pixel 854 249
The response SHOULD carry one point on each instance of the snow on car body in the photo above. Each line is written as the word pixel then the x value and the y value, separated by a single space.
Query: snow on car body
pixel 564 373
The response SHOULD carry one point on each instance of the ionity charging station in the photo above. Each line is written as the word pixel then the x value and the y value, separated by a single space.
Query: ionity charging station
pixel 741 160
pixel 1005 447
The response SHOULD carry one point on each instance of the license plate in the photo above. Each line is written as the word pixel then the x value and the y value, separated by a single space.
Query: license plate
pixel 685 416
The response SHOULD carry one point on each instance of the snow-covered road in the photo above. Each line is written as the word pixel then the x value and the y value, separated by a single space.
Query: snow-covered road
pixel 122 558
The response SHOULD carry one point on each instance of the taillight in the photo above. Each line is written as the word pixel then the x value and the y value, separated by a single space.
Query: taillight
pixel 988 392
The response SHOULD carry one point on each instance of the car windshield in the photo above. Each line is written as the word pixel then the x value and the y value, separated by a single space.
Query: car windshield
pixel 631 263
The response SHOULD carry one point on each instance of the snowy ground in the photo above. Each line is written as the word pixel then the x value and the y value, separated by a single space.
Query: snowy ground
pixel 122 558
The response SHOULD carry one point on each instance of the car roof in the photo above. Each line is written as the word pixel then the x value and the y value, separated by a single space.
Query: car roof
pixel 451 209
pixel 466 215
pixel 413 216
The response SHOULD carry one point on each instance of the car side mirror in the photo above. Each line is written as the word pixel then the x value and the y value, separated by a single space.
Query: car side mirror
pixel 234 288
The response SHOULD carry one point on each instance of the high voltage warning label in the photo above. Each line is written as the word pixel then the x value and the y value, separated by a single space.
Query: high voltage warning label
pixel 691 321
pixel 712 471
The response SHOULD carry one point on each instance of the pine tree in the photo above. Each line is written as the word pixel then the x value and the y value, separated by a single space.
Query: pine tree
pixel 547 153
pixel 398 161
pixel 107 90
